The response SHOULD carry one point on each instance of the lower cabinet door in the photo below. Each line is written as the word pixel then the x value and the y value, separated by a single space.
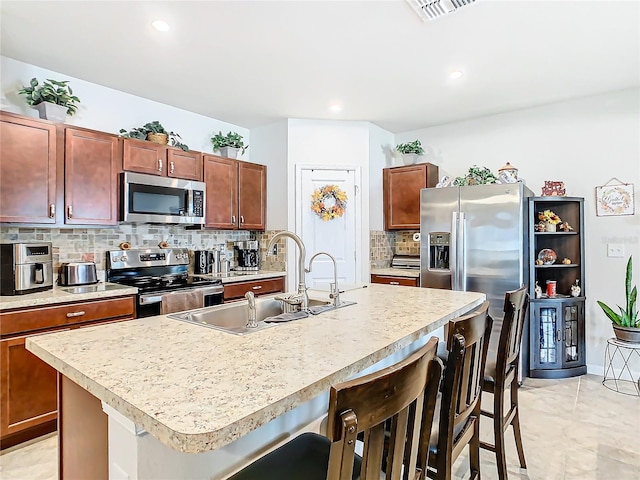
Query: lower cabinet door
pixel 389 280
pixel 28 388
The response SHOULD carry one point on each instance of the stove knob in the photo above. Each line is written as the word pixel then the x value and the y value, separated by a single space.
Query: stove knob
pixel 124 258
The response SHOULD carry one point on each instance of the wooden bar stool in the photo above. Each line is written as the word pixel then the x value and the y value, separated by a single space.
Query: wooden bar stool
pixel 398 392
pixel 501 372
pixel 458 419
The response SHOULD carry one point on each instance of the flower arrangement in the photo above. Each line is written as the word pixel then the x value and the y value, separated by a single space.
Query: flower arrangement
pixel 329 202
pixel 549 217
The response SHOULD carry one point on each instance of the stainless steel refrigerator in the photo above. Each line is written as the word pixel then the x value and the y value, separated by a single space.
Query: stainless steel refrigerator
pixel 474 239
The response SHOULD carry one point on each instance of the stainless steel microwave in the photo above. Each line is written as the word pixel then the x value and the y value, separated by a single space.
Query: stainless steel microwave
pixel 152 199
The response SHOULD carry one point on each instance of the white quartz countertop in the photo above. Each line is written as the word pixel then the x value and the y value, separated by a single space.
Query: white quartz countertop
pixel 396 272
pixel 64 295
pixel 197 389
pixel 246 276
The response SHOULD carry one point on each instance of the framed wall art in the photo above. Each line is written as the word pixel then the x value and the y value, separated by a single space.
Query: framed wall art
pixel 615 198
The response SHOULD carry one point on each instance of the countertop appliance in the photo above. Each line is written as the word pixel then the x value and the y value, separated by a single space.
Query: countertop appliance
pixel 77 273
pixel 474 238
pixel 247 255
pixel 410 262
pixel 156 272
pixel 152 199
pixel 25 268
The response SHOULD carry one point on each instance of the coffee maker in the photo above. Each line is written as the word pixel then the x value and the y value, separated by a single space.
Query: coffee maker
pixel 247 255
pixel 203 261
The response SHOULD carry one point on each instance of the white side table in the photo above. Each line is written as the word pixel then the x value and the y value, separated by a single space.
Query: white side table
pixel 621 378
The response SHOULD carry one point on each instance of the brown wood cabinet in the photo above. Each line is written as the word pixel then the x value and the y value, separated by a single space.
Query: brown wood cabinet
pixel 27 169
pixel 234 291
pixel 152 158
pixel 28 386
pixel 389 280
pixel 401 194
pixel 92 165
pixel 236 194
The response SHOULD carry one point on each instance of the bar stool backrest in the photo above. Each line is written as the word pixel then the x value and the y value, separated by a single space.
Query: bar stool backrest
pixel 516 303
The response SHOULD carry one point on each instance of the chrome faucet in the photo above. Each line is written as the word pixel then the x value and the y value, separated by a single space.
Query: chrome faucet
pixel 251 299
pixel 301 297
pixel 335 291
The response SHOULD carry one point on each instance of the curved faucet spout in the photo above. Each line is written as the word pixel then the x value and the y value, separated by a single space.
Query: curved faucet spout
pixel 302 287
pixel 335 291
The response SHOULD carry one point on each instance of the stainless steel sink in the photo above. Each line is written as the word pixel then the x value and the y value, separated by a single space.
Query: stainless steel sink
pixel 233 318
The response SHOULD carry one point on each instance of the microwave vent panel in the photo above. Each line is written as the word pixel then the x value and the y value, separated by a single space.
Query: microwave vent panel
pixel 432 9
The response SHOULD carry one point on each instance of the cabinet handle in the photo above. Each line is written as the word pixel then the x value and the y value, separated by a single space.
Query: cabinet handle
pixel 69 211
pixel 159 164
pixel 257 287
pixel 233 219
pixel 394 283
pixel 171 167
pixel 52 210
pixel 75 314
pixel 241 218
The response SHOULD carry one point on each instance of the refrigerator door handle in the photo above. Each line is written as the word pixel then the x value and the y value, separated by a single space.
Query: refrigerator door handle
pixel 453 252
pixel 461 253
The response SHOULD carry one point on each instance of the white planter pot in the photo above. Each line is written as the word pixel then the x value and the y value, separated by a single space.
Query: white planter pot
pixel 51 111
pixel 410 158
pixel 229 152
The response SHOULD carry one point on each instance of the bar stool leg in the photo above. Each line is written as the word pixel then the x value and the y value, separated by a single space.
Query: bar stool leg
pixel 498 429
pixel 516 422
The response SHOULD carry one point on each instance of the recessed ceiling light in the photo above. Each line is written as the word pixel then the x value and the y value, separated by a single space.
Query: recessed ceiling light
pixel 335 107
pixel 161 25
pixel 455 75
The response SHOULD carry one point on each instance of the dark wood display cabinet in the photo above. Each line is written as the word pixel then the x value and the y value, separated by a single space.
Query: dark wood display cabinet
pixel 236 194
pixel 401 194
pixel 556 322
pixel 142 156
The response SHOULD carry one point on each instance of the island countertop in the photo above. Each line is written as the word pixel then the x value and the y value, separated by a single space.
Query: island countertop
pixel 197 389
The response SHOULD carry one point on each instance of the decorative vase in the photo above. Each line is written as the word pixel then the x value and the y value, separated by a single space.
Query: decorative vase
pixel 229 152
pixel 161 138
pixel 51 111
pixel 627 334
pixel 549 227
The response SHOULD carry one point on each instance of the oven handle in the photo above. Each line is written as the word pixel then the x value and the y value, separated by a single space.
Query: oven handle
pixel 151 298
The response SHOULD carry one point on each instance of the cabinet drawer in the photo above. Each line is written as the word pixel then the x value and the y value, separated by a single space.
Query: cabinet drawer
pixel 388 280
pixel 258 287
pixel 49 317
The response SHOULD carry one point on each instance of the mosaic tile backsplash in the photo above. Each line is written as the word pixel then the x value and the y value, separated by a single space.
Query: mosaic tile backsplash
pixel 91 244
pixel 384 245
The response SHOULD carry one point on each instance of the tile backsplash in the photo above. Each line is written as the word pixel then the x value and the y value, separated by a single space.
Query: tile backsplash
pixel 91 244
pixel 384 245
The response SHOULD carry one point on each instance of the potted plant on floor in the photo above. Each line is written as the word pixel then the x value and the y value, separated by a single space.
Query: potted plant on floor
pixel 626 324
pixel 229 145
pixel 155 132
pixel 54 99
pixel 410 152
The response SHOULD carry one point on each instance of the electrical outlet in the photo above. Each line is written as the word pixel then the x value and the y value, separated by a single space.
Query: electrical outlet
pixel 274 250
pixel 615 250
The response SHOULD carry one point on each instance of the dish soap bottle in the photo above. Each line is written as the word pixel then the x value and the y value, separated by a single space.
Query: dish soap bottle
pixel 575 289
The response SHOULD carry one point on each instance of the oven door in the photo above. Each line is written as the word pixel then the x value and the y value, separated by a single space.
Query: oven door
pixel 149 303
pixel 147 198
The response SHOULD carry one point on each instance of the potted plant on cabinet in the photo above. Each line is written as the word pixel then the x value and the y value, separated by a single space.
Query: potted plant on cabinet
pixel 410 151
pixel 54 99
pixel 155 132
pixel 228 145
pixel 626 324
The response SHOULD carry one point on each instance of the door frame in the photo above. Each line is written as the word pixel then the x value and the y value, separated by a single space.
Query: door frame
pixel 356 204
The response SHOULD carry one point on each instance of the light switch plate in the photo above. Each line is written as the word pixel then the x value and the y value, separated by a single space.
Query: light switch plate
pixel 615 250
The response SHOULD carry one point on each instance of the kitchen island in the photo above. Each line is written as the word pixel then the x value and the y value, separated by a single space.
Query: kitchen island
pixel 184 401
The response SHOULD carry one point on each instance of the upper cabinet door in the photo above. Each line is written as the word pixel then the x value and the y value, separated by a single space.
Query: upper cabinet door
pixel 221 177
pixel 183 164
pixel 401 194
pixel 27 170
pixel 252 194
pixel 92 165
pixel 144 157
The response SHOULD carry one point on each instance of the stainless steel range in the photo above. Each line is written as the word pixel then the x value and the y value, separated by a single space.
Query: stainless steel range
pixel 156 272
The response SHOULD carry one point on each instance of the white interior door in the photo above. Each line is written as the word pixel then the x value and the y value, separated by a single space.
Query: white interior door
pixel 337 236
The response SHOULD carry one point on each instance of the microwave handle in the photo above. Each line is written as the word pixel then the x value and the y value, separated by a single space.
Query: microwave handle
pixel 190 202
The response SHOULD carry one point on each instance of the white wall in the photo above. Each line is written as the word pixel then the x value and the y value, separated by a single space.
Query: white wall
pixel 582 142
pixel 109 110
pixel 381 155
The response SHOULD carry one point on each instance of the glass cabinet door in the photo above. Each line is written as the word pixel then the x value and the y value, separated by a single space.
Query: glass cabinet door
pixel 572 343
pixel 549 321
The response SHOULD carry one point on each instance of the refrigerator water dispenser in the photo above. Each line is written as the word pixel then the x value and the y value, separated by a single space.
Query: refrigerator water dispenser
pixel 439 251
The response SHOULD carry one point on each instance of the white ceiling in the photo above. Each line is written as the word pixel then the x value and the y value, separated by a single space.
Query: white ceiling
pixel 252 63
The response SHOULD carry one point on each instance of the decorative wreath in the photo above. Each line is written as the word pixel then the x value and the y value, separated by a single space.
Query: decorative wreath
pixel 329 202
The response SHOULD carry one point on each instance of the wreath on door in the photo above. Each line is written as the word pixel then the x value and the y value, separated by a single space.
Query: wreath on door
pixel 329 202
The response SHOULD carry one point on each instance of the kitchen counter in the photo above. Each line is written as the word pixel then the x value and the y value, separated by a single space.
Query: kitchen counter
pixel 396 272
pixel 62 295
pixel 246 276
pixel 197 389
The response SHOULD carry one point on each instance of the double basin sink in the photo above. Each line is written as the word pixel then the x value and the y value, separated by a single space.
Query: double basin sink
pixel 233 318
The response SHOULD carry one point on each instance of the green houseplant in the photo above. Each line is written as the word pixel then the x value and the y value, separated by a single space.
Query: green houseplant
pixel 228 145
pixel 155 132
pixel 53 99
pixel 626 324
pixel 410 151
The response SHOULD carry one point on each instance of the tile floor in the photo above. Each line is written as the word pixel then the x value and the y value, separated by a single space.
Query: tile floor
pixel 573 429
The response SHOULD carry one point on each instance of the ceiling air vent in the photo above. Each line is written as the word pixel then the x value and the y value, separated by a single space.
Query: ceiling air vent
pixel 432 9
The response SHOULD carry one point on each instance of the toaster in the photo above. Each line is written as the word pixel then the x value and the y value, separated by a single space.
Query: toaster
pixel 77 273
